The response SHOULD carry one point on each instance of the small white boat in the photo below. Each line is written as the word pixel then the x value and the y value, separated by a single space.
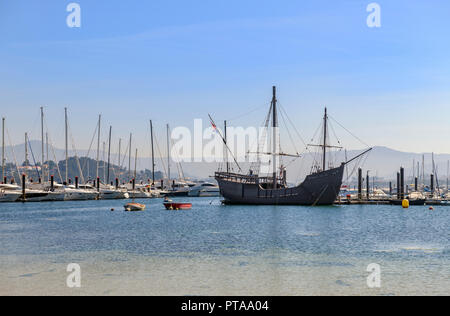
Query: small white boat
pixel 134 207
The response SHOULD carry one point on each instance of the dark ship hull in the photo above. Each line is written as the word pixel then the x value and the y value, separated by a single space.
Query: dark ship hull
pixel 318 189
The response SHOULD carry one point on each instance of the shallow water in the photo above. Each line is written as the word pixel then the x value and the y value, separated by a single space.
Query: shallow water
pixel 223 250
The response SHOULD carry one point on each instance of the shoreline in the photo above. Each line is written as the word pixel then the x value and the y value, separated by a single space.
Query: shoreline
pixel 275 273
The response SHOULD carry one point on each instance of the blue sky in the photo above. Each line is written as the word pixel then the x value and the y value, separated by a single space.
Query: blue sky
pixel 173 61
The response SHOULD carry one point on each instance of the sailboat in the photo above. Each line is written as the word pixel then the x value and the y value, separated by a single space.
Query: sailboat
pixel 133 206
pixel 73 192
pixel 319 188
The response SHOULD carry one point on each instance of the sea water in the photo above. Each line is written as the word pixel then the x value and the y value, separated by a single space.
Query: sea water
pixel 215 249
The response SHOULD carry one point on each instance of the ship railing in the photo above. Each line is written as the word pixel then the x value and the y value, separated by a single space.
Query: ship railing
pixel 248 179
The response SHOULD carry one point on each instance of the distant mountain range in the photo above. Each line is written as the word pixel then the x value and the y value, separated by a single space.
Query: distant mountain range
pixel 381 162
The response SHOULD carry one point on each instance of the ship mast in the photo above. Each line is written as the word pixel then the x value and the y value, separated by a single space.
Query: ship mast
pixel 325 139
pixel 324 146
pixel 3 149
pixel 168 153
pixel 226 141
pixel 67 146
pixel 274 126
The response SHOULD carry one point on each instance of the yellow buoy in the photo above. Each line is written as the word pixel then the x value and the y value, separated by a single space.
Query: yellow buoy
pixel 405 203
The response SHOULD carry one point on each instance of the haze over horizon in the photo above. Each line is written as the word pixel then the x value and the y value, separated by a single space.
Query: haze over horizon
pixel 176 61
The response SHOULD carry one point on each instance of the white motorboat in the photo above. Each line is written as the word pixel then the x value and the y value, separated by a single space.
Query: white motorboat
pixel 178 188
pixel 205 189
pixel 43 196
pixel 155 193
pixel 80 194
pixel 9 193
pixel 38 192
pixel 53 196
pixel 139 194
pixel 111 193
pixel 57 193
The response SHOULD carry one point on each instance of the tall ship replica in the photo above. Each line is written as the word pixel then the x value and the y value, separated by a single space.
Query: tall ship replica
pixel 321 187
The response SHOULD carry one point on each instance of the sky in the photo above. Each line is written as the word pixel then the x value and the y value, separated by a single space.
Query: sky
pixel 175 61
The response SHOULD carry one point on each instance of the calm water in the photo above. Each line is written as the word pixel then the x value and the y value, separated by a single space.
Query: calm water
pixel 340 241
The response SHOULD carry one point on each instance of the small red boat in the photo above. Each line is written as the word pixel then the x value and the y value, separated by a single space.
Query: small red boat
pixel 177 206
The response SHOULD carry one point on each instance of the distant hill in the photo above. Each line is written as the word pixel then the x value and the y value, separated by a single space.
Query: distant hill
pixel 87 165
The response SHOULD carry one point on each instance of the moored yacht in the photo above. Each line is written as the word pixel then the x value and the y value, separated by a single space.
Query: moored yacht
pixel 139 194
pixel 9 192
pixel 79 194
pixel 205 189
pixel 178 188
pixel 111 193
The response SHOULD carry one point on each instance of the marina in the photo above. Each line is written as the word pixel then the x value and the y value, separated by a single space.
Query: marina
pixel 323 186
pixel 224 154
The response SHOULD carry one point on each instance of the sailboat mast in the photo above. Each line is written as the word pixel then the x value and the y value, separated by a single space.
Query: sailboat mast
pixel 46 155
pixel 98 144
pixel 26 154
pixel 42 145
pixel 109 154
pixel 423 171
pixel 153 153
pixel 119 164
pixel 448 170
pixel 274 126
pixel 325 140
pixel 135 164
pixel 104 162
pixel 168 152
pixel 67 145
pixel 129 158
pixel 3 149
